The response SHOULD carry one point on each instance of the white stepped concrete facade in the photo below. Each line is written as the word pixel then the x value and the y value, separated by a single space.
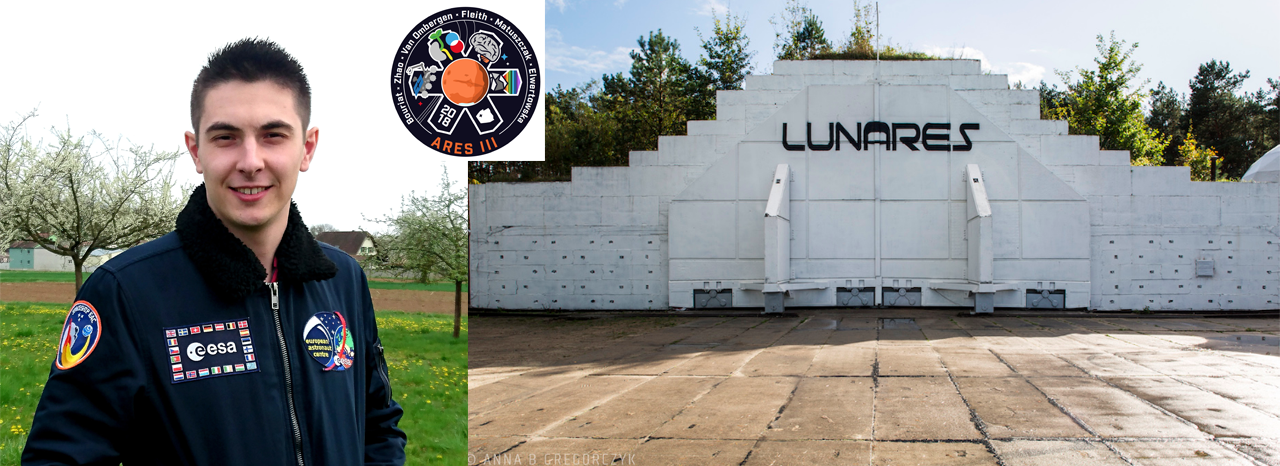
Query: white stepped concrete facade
pixel 1066 218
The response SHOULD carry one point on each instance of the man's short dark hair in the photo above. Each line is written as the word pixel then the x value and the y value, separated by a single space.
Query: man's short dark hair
pixel 252 60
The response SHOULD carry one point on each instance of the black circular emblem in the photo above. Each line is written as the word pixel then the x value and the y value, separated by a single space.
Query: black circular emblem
pixel 465 81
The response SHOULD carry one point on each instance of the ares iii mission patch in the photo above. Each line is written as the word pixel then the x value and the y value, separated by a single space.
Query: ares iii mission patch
pixel 465 81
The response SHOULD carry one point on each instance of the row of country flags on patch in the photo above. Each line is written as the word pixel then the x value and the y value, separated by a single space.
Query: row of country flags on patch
pixel 215 370
pixel 218 327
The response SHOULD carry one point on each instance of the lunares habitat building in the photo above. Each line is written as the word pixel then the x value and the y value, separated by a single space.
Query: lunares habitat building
pixel 886 184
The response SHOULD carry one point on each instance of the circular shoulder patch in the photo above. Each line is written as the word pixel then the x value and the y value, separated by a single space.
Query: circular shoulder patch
pixel 80 335
pixel 328 340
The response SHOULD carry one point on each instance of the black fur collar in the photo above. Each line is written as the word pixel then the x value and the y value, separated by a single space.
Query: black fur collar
pixel 230 267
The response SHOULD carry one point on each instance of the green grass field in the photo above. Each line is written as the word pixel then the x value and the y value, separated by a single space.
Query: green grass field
pixel 428 369
pixel 27 276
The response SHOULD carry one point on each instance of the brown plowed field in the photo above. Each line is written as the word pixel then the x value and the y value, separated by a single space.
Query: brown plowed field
pixel 383 300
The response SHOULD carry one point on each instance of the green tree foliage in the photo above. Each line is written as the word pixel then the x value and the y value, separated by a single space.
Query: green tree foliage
pixel 1167 114
pixel 726 53
pixel 81 194
pixel 659 94
pixel 1199 158
pixel 1235 125
pixel 801 35
pixel 428 240
pixel 1108 103
pixel 1053 102
pixel 601 122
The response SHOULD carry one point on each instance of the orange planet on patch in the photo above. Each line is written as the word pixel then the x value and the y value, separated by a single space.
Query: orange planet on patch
pixel 465 81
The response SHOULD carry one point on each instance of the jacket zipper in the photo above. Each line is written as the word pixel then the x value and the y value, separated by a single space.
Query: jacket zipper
pixel 382 371
pixel 288 372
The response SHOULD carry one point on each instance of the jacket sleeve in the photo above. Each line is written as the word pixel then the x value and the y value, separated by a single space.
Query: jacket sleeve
pixel 383 440
pixel 88 400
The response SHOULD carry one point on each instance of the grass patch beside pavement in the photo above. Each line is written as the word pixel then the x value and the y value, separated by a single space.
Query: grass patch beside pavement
pixel 28 276
pixel 428 370
pixel 375 283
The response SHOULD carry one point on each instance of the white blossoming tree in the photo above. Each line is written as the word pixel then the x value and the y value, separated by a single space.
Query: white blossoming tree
pixel 81 194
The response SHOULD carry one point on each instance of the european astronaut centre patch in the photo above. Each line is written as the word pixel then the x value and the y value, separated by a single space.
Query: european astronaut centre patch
pixel 209 350
pixel 465 81
pixel 80 335
pixel 328 340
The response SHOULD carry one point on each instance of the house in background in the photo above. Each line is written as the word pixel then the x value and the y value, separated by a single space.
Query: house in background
pixel 27 255
pixel 357 244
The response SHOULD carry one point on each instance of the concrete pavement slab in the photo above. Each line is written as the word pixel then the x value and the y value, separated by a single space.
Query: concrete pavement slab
pixel 1242 390
pixel 758 337
pixel 1271 325
pixel 846 360
pixel 1055 453
pixel 1158 341
pixel 680 452
pixel 805 337
pixel 1133 324
pixel 1090 324
pixel 858 323
pixel 1104 341
pixel 1214 414
pixel 1011 407
pixel 743 322
pixel 818 323
pixel 738 408
pixel 649 361
pixel 638 412
pixel 909 360
pixel 721 361
pixel 1096 362
pixel 972 362
pixel 1037 363
pixel 1171 362
pixel 489 450
pixel 921 408
pixel 533 414
pixel 863 338
pixel 930 453
pixel 661 337
pixel 1265 450
pixel 937 323
pixel 713 335
pixel 827 408
pixel 704 322
pixel 1180 452
pixel 1012 323
pixel 565 451
pixel 949 337
pixel 792 360
pixel 811 452
pixel 902 337
pixel 1047 322
pixel 1110 411
pixel 976 323
pixel 490 396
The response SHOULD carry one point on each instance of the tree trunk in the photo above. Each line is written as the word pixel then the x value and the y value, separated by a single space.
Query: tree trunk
pixel 457 307
pixel 79 266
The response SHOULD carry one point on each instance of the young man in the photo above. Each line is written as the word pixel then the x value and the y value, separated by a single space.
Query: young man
pixel 236 339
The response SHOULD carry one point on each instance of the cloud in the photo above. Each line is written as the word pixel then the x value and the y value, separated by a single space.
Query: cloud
pixel 1029 74
pixel 619 3
pixel 710 7
pixel 583 61
pixel 559 4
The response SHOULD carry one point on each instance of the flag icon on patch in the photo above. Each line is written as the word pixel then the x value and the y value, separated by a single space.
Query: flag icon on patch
pixel 175 359
pixel 177 367
pixel 244 333
pixel 191 374
pixel 170 333
pixel 246 341
pixel 178 376
pixel 239 367
pixel 207 327
pixel 195 330
pixel 244 324
pixel 250 365
pixel 182 332
pixel 248 349
pixel 204 372
pixel 248 357
pixel 215 370
pixel 219 327
pixel 174 350
pixel 173 341
pixel 231 325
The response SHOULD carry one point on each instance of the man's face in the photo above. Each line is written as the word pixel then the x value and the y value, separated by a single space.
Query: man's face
pixel 250 150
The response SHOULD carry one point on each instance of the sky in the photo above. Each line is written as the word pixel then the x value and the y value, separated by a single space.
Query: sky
pixel 1025 40
pixel 127 72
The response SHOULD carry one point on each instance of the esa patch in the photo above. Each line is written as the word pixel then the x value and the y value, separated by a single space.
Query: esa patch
pixel 80 335
pixel 209 350
pixel 329 341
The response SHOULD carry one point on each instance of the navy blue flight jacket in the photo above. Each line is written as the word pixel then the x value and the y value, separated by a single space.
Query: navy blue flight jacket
pixel 177 352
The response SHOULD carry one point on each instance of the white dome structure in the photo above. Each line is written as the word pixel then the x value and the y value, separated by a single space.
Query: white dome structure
pixel 1266 169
